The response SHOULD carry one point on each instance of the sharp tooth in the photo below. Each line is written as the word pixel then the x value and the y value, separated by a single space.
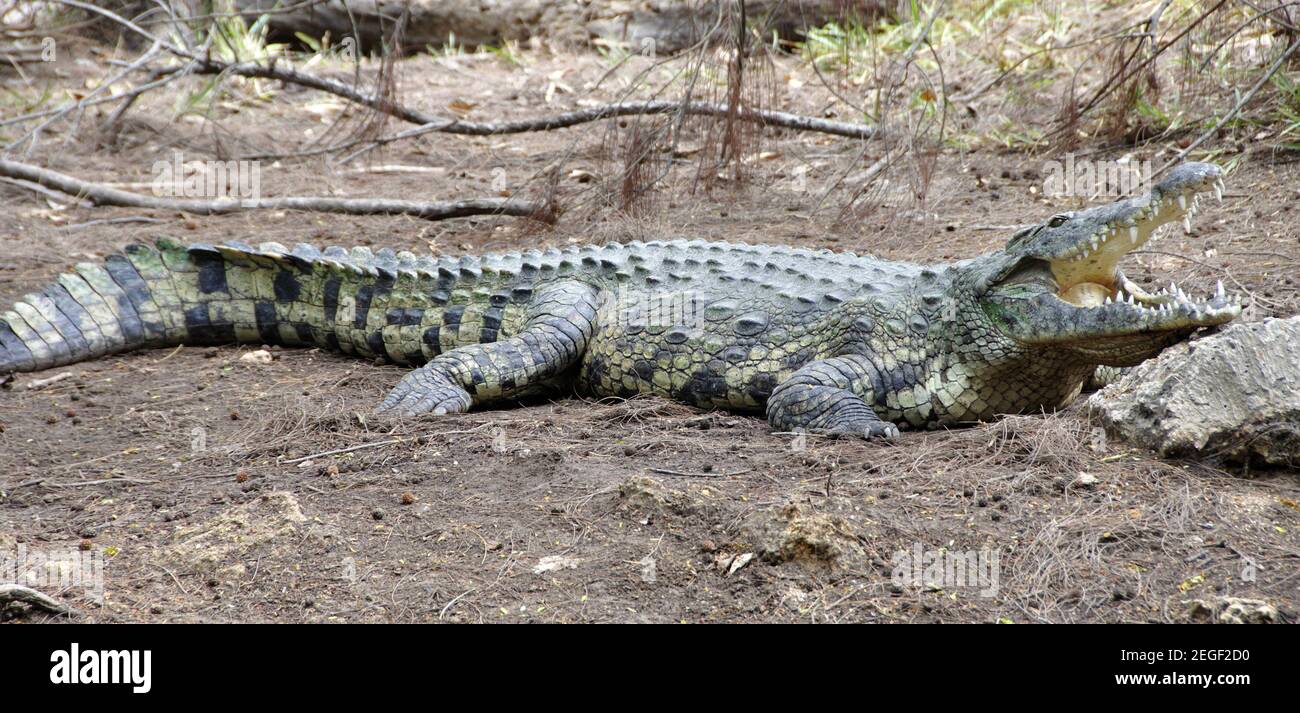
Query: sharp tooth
pixel 1218 290
pixel 1133 235
pixel 1187 224
pixel 1218 190
pixel 1130 299
pixel 1173 288
pixel 1182 201
pixel 1107 300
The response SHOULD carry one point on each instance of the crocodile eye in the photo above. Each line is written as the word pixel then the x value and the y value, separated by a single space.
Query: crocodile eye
pixel 1057 220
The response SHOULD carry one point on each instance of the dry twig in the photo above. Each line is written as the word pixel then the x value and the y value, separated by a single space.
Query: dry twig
pixel 105 196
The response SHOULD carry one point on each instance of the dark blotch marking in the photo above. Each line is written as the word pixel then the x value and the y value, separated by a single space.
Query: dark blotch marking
pixel 404 317
pixel 706 386
pixel 430 338
pixel 761 387
pixel 367 293
pixel 212 271
pixel 331 299
pixel 287 288
pixel 451 318
pixel 491 325
pixel 645 371
pixel 375 340
pixel 266 322
pixel 201 329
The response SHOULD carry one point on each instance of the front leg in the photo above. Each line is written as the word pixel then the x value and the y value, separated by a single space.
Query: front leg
pixel 827 397
pixel 561 319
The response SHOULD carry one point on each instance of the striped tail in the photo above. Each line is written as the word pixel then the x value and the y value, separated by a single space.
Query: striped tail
pixel 164 296
pixel 94 311
pixel 389 305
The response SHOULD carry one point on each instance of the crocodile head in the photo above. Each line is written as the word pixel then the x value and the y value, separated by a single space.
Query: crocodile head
pixel 1059 285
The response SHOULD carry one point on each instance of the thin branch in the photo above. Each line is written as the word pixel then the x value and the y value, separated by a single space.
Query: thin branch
pixel 102 195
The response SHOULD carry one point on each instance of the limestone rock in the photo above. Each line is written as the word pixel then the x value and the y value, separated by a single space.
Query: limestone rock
pixel 1234 395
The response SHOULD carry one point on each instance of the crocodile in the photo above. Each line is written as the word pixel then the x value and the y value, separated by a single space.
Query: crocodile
pixel 823 342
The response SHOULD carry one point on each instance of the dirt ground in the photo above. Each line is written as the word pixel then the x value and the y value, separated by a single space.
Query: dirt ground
pixel 196 474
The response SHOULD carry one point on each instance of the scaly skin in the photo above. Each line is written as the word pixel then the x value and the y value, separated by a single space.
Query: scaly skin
pixel 827 342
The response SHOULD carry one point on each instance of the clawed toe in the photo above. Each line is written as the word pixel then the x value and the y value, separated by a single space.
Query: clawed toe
pixel 876 429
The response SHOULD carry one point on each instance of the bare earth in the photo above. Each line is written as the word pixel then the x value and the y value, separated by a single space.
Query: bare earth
pixel 196 474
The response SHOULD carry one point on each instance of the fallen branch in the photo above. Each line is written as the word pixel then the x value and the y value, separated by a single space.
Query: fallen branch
pixel 102 195
pixel 27 595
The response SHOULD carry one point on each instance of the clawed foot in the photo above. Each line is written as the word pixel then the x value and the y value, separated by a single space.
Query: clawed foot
pixel 420 393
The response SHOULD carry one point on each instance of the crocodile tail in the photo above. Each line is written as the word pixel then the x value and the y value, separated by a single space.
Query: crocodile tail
pixel 170 294
pixel 96 310
pixel 149 296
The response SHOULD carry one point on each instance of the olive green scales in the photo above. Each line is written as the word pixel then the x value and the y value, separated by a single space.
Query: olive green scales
pixel 826 342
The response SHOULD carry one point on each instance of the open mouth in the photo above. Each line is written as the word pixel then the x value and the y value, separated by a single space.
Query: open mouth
pixel 1088 274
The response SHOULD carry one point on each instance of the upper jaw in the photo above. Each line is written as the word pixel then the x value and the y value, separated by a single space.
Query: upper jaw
pixel 1087 270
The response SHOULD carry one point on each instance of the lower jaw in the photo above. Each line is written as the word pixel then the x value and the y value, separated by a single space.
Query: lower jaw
pixel 1122 351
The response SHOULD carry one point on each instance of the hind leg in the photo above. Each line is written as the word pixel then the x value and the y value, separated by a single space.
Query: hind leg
pixel 561 319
